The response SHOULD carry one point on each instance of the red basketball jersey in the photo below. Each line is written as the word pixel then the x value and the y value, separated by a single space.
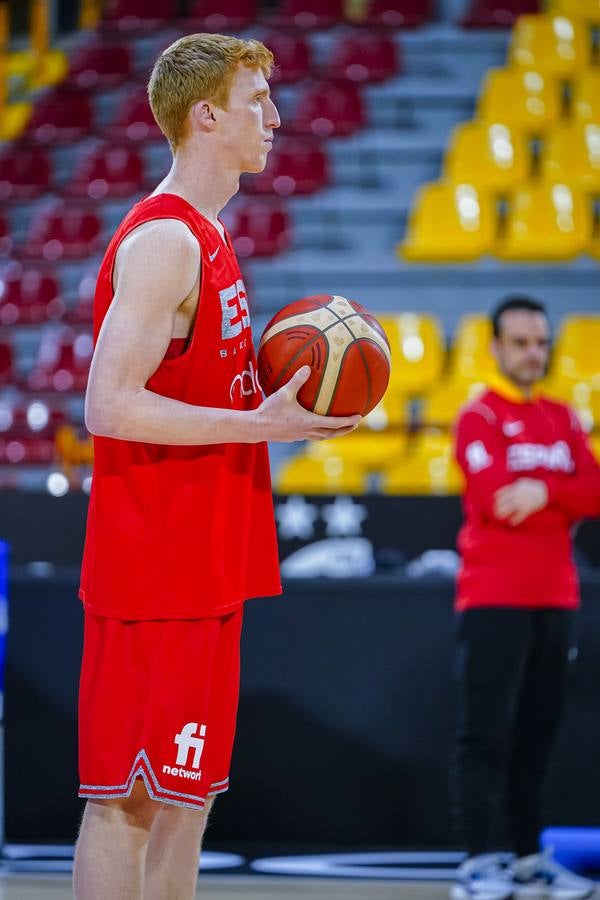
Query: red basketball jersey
pixel 184 531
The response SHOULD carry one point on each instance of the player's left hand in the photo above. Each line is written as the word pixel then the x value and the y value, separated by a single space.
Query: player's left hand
pixel 519 500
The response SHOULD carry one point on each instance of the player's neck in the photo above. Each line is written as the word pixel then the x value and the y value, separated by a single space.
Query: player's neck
pixel 202 180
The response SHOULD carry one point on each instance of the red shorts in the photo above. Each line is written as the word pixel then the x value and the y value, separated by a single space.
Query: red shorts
pixel 158 700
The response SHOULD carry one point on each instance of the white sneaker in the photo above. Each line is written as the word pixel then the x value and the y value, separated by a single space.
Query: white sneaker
pixel 483 877
pixel 541 876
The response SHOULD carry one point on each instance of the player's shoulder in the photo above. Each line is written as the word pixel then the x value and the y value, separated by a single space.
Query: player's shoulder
pixel 481 410
pixel 163 233
pixel 164 245
pixel 560 410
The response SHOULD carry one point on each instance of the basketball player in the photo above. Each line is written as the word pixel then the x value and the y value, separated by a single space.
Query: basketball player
pixel 530 476
pixel 180 527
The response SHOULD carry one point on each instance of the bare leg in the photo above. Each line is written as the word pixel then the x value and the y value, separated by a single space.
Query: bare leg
pixel 111 850
pixel 174 853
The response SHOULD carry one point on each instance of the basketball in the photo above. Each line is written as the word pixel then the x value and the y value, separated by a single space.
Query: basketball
pixel 344 345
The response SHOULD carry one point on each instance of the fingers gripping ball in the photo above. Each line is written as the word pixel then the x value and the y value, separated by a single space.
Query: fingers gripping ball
pixel 344 345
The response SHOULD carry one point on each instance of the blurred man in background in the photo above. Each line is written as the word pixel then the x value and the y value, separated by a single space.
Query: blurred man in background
pixel 530 476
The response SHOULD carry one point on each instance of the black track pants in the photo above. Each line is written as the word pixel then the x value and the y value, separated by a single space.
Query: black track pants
pixel 512 671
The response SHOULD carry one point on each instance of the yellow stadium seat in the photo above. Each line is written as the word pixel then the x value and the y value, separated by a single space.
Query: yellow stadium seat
pixel 526 100
pixel 418 351
pixel 20 64
pixel 584 399
pixel 366 451
pixel 585 102
pixel 553 44
pixel 576 357
pixel 595 442
pixel 390 412
pixel 49 70
pixel 450 223
pixel 470 356
pixel 442 405
pixel 547 222
pixel 38 71
pixel 572 153
pixel 304 474
pixel 428 467
pixel 589 10
pixel 490 155
pixel 13 120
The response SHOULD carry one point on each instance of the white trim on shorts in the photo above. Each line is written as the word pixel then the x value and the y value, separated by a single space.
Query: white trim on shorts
pixel 107 792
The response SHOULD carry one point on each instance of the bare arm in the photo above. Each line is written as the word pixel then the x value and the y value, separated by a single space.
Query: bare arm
pixel 157 268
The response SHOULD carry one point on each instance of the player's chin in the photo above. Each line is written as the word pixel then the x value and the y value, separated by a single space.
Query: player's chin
pixel 256 165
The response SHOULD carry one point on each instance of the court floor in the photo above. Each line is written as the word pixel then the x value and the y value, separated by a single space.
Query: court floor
pixel 58 887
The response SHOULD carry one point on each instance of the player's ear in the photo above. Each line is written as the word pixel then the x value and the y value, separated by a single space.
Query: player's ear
pixel 202 116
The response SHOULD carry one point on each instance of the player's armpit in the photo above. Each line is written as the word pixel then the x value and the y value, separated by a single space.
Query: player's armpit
pixel 157 267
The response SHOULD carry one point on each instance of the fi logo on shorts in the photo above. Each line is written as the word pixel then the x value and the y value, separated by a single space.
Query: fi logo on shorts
pixel 188 740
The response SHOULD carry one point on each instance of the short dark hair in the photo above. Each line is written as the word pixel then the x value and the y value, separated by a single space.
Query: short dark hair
pixel 516 302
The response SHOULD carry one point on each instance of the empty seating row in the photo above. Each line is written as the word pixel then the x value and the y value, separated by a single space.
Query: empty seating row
pixel 360 55
pixel 421 464
pixel 532 101
pixel 458 222
pixel 497 157
pixel 71 231
pixel 216 15
pixel 109 170
pixel 322 107
pixel 66 114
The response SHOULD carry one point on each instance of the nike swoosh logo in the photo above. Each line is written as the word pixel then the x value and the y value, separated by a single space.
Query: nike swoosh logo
pixel 512 429
pixel 211 256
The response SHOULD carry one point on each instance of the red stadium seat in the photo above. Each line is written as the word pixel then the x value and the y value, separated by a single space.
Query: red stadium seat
pixel 294 166
pixel 328 109
pixel 134 120
pixel 497 13
pixel 28 296
pixel 138 15
pixel 292 56
pixel 61 231
pixel 6 242
pixel 308 14
pixel 260 229
pixel 7 375
pixel 364 57
pixel 63 362
pixel 62 116
pixel 216 15
pixel 100 65
pixel 24 173
pixel 398 13
pixel 27 433
pixel 108 171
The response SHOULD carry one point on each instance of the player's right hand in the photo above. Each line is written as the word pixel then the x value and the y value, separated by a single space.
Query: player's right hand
pixel 283 419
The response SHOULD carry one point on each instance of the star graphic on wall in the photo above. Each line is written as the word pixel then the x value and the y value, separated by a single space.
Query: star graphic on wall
pixel 296 518
pixel 343 517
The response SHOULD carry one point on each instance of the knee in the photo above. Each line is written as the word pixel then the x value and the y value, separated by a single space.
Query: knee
pixel 136 811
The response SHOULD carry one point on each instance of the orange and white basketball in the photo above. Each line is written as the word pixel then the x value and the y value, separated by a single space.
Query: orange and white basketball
pixel 344 345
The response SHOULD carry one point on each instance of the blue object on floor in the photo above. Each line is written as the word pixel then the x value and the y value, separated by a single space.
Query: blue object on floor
pixel 576 848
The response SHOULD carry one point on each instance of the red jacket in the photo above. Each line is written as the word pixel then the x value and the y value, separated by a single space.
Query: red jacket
pixel 500 437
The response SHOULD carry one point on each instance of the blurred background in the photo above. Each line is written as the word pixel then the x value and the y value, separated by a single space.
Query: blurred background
pixel 435 157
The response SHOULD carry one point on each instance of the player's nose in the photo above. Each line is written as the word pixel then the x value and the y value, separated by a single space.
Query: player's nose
pixel 272 119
